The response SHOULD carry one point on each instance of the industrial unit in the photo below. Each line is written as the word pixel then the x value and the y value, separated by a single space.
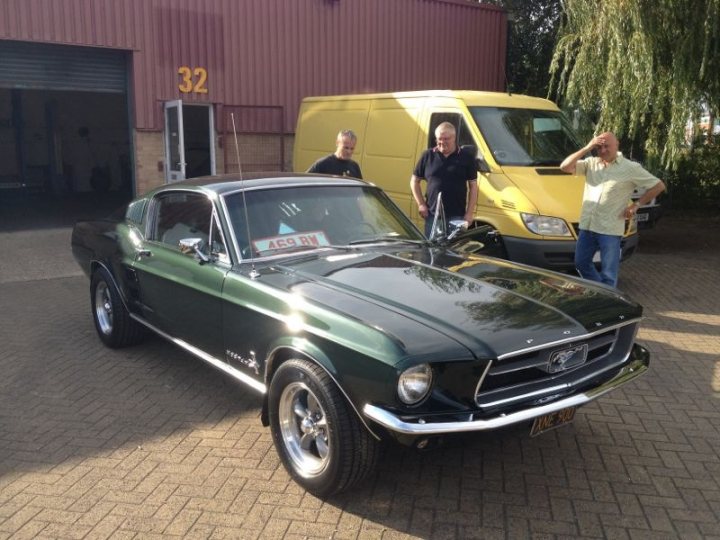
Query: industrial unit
pixel 117 97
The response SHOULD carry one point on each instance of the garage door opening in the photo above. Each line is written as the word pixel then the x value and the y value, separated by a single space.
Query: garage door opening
pixel 65 144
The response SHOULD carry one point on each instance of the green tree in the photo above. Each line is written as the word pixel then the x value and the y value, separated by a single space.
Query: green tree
pixel 645 66
pixel 532 29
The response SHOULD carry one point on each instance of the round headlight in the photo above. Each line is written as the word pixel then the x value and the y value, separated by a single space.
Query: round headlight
pixel 414 384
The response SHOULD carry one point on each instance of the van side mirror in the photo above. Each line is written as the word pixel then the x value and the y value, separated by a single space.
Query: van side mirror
pixel 470 149
pixel 480 164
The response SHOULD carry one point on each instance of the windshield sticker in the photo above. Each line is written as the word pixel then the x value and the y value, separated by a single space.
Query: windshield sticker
pixel 311 239
pixel 285 228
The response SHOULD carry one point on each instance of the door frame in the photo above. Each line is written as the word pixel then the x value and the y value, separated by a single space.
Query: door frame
pixel 175 174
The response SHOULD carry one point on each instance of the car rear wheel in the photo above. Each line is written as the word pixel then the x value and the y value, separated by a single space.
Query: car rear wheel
pixel 112 321
pixel 318 436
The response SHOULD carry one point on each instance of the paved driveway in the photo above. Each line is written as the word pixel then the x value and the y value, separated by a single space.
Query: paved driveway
pixel 147 442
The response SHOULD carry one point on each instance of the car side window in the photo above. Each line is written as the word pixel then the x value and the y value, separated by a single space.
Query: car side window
pixel 181 215
pixel 464 137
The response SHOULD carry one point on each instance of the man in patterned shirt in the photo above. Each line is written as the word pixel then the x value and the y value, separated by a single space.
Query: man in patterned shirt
pixel 609 181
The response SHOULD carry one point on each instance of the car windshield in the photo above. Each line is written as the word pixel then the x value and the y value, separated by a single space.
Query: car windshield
pixel 283 220
pixel 526 136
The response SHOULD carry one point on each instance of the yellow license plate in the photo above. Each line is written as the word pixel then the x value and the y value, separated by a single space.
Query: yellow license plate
pixel 552 420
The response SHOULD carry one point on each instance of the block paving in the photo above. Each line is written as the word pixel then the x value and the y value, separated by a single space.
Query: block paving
pixel 148 442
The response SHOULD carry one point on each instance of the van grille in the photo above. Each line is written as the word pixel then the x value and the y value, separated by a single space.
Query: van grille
pixel 527 379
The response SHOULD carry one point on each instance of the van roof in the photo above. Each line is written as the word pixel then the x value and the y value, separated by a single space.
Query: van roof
pixel 470 97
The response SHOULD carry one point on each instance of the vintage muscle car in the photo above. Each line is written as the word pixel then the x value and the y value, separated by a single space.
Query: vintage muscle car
pixel 319 294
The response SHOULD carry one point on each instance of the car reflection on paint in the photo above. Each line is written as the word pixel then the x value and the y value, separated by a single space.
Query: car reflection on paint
pixel 321 296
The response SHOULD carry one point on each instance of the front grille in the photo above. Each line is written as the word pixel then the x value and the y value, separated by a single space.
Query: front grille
pixel 526 378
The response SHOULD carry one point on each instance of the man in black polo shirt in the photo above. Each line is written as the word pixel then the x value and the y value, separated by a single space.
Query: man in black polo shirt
pixel 447 170
pixel 339 163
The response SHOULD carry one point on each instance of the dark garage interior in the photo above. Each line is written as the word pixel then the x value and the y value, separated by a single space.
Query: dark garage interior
pixel 65 147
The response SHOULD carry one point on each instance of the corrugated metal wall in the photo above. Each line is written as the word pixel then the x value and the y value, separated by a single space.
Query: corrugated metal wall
pixel 275 52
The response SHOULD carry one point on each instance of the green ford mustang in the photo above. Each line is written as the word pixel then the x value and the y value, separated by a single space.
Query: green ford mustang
pixel 320 295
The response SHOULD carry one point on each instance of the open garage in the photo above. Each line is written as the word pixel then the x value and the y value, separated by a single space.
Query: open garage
pixel 65 145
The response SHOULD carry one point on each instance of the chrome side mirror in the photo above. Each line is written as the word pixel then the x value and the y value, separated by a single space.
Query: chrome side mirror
pixel 194 246
pixel 456 226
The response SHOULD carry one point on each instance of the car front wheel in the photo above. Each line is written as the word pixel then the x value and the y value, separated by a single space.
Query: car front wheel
pixel 112 321
pixel 318 436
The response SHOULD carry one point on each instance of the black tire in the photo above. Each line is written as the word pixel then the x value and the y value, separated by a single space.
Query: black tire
pixel 320 440
pixel 112 321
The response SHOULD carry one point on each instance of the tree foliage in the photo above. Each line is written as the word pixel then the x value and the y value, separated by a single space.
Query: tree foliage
pixel 645 66
pixel 532 29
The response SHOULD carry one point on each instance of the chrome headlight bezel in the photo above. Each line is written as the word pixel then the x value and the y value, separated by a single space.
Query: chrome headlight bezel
pixel 414 384
pixel 546 225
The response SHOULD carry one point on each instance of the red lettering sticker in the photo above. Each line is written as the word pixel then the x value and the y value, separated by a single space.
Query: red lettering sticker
pixel 312 238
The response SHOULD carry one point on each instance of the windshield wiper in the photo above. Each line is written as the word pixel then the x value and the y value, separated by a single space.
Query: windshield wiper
pixel 287 249
pixel 298 249
pixel 387 238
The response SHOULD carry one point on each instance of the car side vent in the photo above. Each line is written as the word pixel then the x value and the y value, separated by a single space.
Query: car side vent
pixel 554 171
pixel 508 204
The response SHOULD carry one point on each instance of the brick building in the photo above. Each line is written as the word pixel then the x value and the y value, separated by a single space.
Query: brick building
pixel 123 95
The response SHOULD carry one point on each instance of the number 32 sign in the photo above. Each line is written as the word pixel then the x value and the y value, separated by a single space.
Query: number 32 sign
pixel 193 80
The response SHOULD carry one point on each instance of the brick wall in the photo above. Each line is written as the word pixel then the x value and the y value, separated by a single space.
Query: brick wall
pixel 149 160
pixel 258 152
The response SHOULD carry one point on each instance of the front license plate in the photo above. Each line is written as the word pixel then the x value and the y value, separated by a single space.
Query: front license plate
pixel 552 420
pixel 642 217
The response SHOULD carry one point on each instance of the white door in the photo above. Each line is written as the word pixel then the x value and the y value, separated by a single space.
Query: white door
pixel 174 142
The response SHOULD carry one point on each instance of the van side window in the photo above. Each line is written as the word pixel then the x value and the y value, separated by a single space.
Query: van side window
pixel 463 133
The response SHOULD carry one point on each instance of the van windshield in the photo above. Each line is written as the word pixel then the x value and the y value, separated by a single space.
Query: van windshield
pixel 526 136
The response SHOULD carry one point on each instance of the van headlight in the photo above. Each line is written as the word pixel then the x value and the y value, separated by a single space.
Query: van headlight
pixel 414 384
pixel 545 225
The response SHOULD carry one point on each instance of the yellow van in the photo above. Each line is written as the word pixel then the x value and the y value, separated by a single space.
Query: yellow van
pixel 520 141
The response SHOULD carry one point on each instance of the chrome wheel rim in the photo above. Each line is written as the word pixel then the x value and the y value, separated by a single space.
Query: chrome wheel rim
pixel 303 425
pixel 103 308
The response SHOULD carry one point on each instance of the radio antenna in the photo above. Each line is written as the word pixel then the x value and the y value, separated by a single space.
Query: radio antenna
pixel 253 273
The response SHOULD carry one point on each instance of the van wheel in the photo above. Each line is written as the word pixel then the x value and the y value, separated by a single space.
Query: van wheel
pixel 320 440
pixel 112 321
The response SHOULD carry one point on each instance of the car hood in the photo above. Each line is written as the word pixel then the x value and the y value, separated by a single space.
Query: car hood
pixel 423 297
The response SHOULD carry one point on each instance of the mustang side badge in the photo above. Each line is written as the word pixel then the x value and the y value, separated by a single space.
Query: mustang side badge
pixel 567 358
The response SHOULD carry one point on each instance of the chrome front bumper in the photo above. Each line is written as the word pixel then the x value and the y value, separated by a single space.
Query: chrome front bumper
pixel 634 369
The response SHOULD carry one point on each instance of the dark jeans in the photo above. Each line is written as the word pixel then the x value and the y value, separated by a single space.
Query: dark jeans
pixel 609 246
